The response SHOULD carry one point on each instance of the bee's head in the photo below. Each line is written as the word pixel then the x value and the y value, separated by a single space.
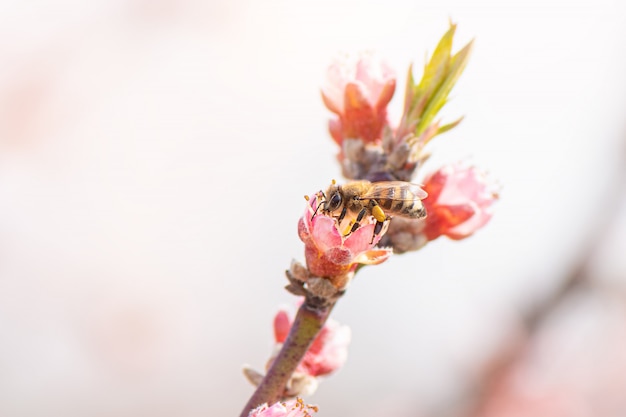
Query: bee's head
pixel 334 198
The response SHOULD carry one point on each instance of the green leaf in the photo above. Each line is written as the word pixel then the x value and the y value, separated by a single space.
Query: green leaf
pixel 452 125
pixel 440 97
pixel 425 99
pixel 439 62
pixel 408 93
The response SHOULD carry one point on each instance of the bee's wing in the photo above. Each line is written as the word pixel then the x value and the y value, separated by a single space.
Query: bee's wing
pixel 393 190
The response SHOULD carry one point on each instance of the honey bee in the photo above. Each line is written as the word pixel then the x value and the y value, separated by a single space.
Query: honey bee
pixel 380 200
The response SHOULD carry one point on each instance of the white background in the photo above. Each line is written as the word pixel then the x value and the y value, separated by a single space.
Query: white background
pixel 153 159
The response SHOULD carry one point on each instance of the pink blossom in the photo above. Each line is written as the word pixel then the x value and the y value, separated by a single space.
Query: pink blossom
pixel 327 353
pixel 358 90
pixel 460 201
pixel 293 408
pixel 331 254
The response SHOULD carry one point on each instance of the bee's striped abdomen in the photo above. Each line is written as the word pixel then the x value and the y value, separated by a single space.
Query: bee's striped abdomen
pixel 414 209
pixel 400 201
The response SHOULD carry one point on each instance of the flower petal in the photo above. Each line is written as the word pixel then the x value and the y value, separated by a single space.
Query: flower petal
pixel 339 255
pixel 467 228
pixel 386 94
pixel 325 233
pixel 282 325
pixel 303 230
pixel 320 265
pixel 361 239
pixel 459 203
pixel 374 256
pixel 356 97
pixel 332 104
pixel 375 75
pixel 335 128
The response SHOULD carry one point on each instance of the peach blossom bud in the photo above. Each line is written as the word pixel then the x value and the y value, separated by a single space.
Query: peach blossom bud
pixel 358 90
pixel 327 353
pixel 460 201
pixel 329 253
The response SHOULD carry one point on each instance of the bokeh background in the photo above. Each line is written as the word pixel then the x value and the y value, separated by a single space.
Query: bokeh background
pixel 153 159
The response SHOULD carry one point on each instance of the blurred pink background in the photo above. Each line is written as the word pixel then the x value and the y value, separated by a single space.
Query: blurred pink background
pixel 153 159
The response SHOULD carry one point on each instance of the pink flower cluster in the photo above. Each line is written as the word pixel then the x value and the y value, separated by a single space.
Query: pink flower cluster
pixel 460 201
pixel 364 222
pixel 357 90
pixel 327 353
pixel 331 254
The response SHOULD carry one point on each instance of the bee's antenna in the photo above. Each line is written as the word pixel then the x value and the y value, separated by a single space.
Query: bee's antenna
pixel 316 209
pixel 319 204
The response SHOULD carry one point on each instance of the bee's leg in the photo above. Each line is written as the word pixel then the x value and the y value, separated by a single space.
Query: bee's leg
pixel 342 215
pixel 319 204
pixel 377 229
pixel 357 221
pixel 315 212
pixel 380 217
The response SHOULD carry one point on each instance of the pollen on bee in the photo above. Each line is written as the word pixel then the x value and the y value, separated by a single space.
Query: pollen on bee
pixel 348 229
pixel 306 197
pixel 333 182
pixel 378 214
